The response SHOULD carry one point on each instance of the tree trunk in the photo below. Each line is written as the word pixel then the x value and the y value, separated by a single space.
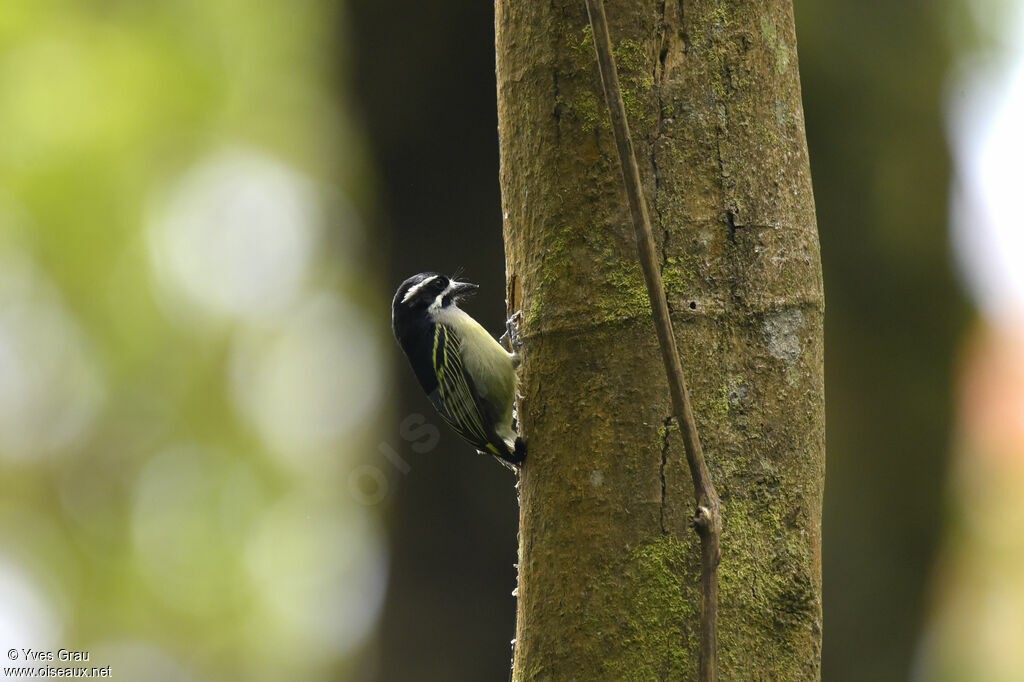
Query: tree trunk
pixel 609 570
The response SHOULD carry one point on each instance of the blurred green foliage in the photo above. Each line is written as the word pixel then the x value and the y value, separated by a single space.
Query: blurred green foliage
pixel 187 379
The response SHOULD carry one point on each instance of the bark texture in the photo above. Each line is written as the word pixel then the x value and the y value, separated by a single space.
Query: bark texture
pixel 609 570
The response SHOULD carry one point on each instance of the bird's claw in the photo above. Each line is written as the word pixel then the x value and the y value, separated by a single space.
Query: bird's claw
pixel 512 331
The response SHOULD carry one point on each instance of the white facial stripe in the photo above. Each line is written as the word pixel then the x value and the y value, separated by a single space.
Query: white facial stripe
pixel 413 290
pixel 439 301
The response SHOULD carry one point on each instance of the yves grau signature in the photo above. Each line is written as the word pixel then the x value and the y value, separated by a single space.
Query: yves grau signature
pixel 34 657
pixel 40 655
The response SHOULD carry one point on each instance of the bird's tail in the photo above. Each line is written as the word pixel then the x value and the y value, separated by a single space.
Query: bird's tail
pixel 512 457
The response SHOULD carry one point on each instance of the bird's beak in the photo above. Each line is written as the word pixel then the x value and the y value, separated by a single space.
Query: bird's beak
pixel 461 289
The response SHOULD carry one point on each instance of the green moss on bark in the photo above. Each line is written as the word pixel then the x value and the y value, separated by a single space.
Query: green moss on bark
pixel 653 639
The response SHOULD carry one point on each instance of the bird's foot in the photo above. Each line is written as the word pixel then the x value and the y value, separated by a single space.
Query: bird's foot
pixel 510 339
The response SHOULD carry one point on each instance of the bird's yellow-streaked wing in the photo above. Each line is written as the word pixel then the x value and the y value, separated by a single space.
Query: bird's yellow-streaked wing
pixel 454 398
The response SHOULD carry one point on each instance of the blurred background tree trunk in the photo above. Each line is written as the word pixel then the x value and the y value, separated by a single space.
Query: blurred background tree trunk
pixel 609 569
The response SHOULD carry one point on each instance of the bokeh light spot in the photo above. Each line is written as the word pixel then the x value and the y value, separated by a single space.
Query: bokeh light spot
pixel 50 386
pixel 185 554
pixel 305 383
pixel 236 235
pixel 26 616
pixel 321 572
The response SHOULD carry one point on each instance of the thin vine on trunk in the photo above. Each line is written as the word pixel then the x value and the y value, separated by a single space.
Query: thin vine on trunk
pixel 707 517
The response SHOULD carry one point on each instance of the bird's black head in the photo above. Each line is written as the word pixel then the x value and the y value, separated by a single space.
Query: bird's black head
pixel 421 296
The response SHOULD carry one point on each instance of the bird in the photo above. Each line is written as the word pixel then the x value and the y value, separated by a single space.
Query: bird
pixel 468 376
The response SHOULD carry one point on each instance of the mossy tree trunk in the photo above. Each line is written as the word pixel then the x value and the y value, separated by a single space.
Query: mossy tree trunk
pixel 609 569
